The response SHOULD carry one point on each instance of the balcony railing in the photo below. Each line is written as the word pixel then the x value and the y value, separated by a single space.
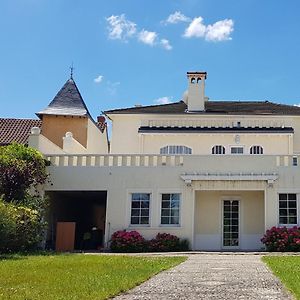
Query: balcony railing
pixel 206 162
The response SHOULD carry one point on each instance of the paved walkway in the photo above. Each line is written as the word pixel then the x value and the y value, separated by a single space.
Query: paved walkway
pixel 212 276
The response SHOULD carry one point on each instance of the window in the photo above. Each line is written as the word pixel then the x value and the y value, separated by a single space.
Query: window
pixel 175 150
pixel 236 150
pixel 218 149
pixel 140 209
pixel 256 150
pixel 288 209
pixel 170 204
pixel 295 161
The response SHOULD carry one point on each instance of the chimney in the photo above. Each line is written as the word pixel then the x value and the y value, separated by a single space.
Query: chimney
pixel 196 91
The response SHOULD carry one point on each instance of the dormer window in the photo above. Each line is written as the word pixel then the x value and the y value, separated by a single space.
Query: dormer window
pixel 175 150
pixel 218 149
pixel 256 150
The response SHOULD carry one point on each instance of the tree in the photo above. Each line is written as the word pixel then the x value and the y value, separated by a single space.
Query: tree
pixel 22 170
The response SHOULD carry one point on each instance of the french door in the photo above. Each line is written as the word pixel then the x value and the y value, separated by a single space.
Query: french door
pixel 231 211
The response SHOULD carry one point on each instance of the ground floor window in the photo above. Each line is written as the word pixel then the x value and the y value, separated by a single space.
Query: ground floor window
pixel 140 209
pixel 288 209
pixel 170 209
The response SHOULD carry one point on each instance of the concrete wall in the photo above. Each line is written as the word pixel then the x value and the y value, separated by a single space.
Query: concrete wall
pixel 97 141
pixel 208 218
pixel 126 139
pixel 54 128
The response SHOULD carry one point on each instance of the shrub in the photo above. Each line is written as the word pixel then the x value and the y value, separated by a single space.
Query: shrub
pixel 132 241
pixel 282 239
pixel 127 241
pixel 21 228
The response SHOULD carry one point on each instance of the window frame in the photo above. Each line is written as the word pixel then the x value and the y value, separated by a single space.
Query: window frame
pixel 240 147
pixel 130 194
pixel 185 150
pixel 253 148
pixel 215 147
pixel 287 208
pixel 161 193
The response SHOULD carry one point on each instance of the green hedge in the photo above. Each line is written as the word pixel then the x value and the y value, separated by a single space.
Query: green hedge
pixel 21 228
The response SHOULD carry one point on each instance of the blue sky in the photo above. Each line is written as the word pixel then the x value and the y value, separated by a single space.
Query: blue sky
pixel 130 52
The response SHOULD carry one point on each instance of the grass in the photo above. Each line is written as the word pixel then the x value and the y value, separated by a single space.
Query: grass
pixel 287 268
pixel 76 276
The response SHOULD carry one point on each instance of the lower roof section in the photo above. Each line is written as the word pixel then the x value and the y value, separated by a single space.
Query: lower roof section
pixel 169 129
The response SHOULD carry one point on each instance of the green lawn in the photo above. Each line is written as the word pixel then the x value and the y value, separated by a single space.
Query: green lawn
pixel 76 276
pixel 287 268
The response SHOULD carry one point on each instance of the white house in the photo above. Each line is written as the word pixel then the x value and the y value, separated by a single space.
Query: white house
pixel 219 173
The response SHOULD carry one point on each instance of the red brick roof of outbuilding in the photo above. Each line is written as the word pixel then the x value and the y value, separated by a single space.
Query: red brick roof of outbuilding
pixel 16 130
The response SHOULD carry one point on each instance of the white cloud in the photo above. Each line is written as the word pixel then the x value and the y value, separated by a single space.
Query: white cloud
pixel 163 100
pixel 176 17
pixel 195 29
pixel 219 31
pixel 297 104
pixel 98 79
pixel 166 44
pixel 148 37
pixel 119 28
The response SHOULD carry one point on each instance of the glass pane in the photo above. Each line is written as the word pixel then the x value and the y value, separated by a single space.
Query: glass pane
pixel 227 202
pixel 234 215
pixel 292 196
pixel 144 220
pixel 135 196
pixel 135 212
pixel 283 204
pixel 165 196
pixel 227 215
pixel 235 235
pixel 135 204
pixel 175 197
pixel 282 196
pixel 283 212
pixel 226 208
pixel 226 243
pixel 292 220
pixel 235 222
pixel 164 220
pixel 283 220
pixel 175 212
pixel 134 220
pixel 175 204
pixel 165 212
pixel 145 204
pixel 145 196
pixel 165 204
pixel 292 204
pixel 292 212
pixel 235 203
pixel 174 220
pixel 145 212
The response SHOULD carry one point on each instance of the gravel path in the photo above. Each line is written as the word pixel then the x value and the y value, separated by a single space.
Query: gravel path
pixel 212 276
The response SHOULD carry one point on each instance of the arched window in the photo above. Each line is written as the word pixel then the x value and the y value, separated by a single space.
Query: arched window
pixel 175 150
pixel 256 150
pixel 218 149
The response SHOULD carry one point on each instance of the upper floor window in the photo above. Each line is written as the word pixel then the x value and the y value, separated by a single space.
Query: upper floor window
pixel 236 150
pixel 218 149
pixel 256 150
pixel 175 150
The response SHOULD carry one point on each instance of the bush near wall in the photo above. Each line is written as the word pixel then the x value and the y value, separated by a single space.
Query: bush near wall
pixel 132 241
pixel 21 228
pixel 282 239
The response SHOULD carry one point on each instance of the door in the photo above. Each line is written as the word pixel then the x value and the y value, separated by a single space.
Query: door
pixel 65 236
pixel 230 236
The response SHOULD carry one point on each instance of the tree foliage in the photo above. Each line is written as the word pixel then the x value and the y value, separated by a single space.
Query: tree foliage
pixel 22 170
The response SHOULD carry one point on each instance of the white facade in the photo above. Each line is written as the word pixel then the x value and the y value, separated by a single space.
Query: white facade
pixel 218 179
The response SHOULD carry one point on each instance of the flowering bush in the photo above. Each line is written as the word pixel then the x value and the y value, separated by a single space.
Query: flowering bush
pixel 127 241
pixel 132 241
pixel 282 239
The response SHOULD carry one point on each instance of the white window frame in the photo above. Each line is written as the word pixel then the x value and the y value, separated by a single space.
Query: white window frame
pixel 297 208
pixel 129 201
pixel 215 147
pixel 252 147
pixel 235 146
pixel 160 208
pixel 185 150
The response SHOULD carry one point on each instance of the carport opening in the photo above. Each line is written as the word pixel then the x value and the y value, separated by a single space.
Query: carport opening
pixel 76 220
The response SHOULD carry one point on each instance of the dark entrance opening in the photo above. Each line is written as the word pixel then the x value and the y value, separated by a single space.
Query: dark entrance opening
pixel 87 212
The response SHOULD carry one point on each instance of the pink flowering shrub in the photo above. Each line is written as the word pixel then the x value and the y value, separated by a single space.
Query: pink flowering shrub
pixel 127 241
pixel 282 239
pixel 132 241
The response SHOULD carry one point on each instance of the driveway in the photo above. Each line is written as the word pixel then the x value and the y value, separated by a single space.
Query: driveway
pixel 213 276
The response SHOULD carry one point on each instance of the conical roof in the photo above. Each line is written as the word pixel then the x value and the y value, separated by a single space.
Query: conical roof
pixel 67 102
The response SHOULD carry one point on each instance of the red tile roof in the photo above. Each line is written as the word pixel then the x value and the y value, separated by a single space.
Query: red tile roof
pixel 16 130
